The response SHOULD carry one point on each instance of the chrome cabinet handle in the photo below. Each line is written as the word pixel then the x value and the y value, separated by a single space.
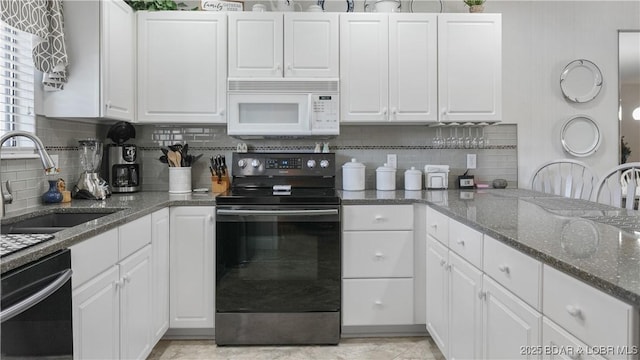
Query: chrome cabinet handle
pixel 36 298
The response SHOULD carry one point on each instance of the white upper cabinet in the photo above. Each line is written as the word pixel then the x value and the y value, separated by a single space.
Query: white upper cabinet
pixel 182 63
pixel 273 44
pixel 100 36
pixel 388 68
pixel 470 67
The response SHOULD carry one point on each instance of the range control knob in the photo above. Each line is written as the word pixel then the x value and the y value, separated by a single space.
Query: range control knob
pixel 255 163
pixel 311 164
pixel 324 164
pixel 242 163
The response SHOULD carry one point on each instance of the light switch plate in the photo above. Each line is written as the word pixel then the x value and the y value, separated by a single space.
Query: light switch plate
pixel 392 160
pixel 471 161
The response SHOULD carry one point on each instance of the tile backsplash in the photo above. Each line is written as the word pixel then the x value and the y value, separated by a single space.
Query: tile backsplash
pixel 368 144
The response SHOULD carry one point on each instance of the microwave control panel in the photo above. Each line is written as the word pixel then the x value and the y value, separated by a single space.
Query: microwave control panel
pixel 324 113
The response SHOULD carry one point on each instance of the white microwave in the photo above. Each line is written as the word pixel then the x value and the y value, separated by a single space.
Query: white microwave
pixel 263 108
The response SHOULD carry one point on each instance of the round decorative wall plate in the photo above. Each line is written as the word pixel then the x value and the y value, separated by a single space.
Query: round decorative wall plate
pixel 580 136
pixel 581 81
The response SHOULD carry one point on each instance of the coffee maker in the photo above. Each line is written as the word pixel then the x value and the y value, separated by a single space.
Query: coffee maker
pixel 122 169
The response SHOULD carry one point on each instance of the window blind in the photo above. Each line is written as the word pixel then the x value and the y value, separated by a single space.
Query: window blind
pixel 16 85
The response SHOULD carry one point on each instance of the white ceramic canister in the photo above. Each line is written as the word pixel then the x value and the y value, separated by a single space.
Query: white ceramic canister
pixel 385 178
pixel 413 179
pixel 353 176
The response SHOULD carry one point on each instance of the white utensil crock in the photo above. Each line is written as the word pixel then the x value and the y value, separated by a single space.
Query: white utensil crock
pixel 179 180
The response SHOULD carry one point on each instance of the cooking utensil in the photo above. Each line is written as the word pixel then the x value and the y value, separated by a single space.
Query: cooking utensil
pixel 172 158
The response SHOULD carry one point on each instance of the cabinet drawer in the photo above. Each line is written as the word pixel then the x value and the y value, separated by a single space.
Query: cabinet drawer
pixel 514 270
pixel 555 338
pixel 438 225
pixel 374 254
pixel 134 235
pixel 466 242
pixel 589 314
pixel 91 257
pixel 375 217
pixel 377 302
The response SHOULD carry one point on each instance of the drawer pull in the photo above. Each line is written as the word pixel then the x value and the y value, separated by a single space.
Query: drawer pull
pixel 434 226
pixel 482 295
pixel 504 269
pixel 460 242
pixel 448 267
pixel 575 356
pixel 379 255
pixel 378 302
pixel 126 278
pixel 442 262
pixel 574 311
pixel 379 217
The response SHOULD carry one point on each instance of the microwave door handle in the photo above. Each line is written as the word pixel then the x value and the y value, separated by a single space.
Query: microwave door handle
pixel 309 121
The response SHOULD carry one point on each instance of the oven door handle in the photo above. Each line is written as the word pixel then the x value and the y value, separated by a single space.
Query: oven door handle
pixel 279 212
pixel 36 298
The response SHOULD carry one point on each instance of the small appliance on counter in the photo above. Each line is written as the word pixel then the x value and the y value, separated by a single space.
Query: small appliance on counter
pixel 90 185
pixel 436 176
pixel 121 168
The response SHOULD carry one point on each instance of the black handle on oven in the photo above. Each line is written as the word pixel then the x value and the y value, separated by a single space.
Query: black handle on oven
pixel 279 212
pixel 36 298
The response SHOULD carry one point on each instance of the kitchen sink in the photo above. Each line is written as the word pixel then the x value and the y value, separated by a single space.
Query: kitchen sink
pixel 51 223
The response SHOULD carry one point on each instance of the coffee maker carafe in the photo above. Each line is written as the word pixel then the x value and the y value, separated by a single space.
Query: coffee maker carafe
pixel 122 170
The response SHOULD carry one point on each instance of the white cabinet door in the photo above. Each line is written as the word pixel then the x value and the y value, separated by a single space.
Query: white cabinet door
pixel 255 44
pixel 510 325
pixel 100 36
pixel 437 294
pixel 117 61
pixel 160 274
pixel 413 82
pixel 182 63
pixel 135 305
pixel 192 256
pixel 465 309
pixel 96 317
pixel 364 67
pixel 470 67
pixel 311 44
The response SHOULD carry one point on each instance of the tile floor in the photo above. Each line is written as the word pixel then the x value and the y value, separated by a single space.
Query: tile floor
pixel 394 348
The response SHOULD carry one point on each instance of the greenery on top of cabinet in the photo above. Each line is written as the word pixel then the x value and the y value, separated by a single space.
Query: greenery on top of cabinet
pixel 157 5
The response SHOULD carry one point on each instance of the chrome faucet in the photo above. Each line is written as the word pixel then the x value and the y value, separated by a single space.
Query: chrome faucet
pixel 47 163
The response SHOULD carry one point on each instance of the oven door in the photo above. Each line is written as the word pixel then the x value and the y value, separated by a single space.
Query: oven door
pixel 283 259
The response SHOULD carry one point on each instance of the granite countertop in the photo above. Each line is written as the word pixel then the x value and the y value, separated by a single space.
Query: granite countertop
pixel 127 207
pixel 596 243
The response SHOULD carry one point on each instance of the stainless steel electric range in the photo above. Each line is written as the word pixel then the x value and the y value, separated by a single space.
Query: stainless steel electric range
pixel 278 251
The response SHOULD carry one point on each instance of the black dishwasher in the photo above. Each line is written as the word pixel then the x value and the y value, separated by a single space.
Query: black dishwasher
pixel 36 320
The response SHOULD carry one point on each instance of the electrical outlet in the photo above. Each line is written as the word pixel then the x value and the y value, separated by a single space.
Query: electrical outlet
pixel 471 161
pixel 392 160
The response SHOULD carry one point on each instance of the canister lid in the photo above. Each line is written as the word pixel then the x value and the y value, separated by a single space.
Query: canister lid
pixel 353 164
pixel 385 168
pixel 413 171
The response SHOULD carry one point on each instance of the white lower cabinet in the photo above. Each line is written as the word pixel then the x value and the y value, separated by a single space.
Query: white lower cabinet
pixel 510 326
pixel 454 307
pixel 112 293
pixel 557 343
pixel 160 275
pixel 377 265
pixel 192 274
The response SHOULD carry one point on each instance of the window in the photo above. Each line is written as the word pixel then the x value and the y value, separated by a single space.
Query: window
pixel 16 86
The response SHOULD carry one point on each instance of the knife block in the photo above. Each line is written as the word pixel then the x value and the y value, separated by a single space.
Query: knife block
pixel 219 184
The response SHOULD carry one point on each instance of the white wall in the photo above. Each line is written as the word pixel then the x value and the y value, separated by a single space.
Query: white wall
pixel 539 39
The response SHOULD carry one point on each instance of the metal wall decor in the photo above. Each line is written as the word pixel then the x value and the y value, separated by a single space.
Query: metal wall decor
pixel 581 81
